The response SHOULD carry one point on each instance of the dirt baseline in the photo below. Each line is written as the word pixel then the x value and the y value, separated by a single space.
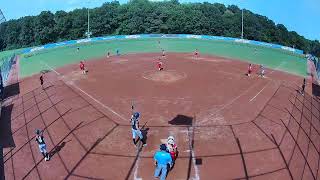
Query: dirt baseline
pixel 227 125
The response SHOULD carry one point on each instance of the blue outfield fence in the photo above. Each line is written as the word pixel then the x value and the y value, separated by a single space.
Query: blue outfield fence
pixel 5 68
pixel 146 36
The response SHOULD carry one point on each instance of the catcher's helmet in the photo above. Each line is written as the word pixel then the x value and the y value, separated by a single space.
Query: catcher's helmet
pixel 170 140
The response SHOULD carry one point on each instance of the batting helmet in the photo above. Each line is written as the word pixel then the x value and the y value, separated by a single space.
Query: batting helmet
pixel 136 115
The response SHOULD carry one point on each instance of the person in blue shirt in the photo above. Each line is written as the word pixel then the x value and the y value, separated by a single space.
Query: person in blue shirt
pixel 162 158
pixel 118 52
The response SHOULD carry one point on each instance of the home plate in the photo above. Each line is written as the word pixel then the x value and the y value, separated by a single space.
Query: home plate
pixel 163 141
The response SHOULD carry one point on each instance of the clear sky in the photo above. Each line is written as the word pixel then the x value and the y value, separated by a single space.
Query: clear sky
pixel 302 16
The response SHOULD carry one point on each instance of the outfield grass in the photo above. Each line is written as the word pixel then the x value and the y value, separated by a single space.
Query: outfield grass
pixel 58 57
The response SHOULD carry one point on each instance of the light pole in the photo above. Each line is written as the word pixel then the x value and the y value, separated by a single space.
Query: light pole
pixel 2 18
pixel 242 24
pixel 88 23
pixel 88 33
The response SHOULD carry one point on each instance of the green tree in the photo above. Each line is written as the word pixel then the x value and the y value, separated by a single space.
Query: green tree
pixel 26 36
pixel 44 28
pixel 143 16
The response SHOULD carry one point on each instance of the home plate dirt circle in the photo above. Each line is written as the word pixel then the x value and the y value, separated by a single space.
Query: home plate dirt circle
pixel 168 76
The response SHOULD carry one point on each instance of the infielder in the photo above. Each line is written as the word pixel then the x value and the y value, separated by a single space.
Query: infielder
pixel 41 80
pixel 160 65
pixel 249 69
pixel 163 53
pixel 262 71
pixel 82 68
pixel 196 54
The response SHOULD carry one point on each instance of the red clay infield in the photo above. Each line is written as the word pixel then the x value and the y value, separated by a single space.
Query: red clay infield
pixel 227 125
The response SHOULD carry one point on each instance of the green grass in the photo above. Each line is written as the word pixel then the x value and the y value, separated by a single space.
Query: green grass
pixel 58 57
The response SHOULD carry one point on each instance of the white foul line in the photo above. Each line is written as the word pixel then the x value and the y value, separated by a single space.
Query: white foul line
pixel 97 101
pixel 135 174
pixel 268 82
pixel 258 93
pixel 233 100
pixel 196 169
pixel 51 68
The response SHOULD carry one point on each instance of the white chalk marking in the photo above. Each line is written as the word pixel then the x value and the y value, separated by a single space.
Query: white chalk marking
pixel 258 93
pixel 97 101
pixel 135 174
pixel 50 68
pixel 196 169
pixel 267 83
pixel 277 68
pixel 108 108
pixel 233 100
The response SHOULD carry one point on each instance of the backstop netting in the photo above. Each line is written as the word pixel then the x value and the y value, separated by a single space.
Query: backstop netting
pixel 312 71
pixel 318 66
pixel 5 67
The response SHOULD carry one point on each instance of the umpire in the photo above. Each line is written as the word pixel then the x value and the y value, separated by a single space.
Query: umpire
pixel 162 158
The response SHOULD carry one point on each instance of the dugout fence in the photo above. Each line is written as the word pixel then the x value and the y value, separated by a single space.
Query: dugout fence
pixel 5 68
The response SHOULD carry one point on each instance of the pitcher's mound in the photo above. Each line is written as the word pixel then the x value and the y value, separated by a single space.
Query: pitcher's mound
pixel 164 76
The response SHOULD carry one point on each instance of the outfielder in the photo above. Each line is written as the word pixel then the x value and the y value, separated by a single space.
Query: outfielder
pixel 118 52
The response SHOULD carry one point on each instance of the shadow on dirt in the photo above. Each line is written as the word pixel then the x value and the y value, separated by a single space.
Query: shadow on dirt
pixel 182 120
pixel 45 71
pixel 6 139
pixel 315 89
pixel 11 90
pixel 58 148
pixel 144 133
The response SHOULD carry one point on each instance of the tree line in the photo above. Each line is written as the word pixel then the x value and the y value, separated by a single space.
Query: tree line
pixel 143 16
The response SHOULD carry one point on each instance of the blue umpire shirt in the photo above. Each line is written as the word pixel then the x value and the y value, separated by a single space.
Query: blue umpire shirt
pixel 163 158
